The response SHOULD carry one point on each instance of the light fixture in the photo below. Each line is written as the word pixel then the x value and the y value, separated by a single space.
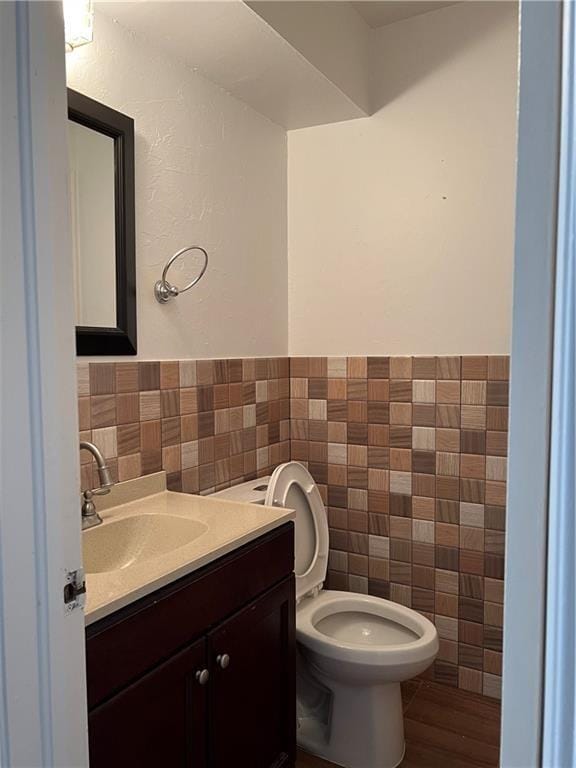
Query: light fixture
pixel 78 23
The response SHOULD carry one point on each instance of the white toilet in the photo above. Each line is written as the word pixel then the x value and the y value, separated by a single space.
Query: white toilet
pixel 353 650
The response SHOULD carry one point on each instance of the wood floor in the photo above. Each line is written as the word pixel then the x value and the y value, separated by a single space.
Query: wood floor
pixel 445 728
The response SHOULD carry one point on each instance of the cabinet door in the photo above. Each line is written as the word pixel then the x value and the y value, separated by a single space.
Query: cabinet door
pixel 252 697
pixel 159 720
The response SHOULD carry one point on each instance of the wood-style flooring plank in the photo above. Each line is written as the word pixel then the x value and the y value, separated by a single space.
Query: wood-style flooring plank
pixel 425 756
pixel 474 751
pixel 457 712
pixel 304 760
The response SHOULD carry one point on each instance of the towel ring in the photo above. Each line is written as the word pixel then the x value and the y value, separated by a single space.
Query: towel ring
pixel 163 290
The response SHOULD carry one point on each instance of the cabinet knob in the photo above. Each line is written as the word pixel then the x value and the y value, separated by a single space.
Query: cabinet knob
pixel 223 660
pixel 202 676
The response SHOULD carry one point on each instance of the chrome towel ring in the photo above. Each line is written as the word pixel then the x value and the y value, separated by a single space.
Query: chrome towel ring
pixel 163 290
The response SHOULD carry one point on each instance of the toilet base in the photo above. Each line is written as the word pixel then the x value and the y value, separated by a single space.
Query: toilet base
pixel 359 726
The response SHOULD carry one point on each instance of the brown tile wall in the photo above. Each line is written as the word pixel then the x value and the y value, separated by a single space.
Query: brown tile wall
pixel 410 457
pixel 409 454
pixel 207 423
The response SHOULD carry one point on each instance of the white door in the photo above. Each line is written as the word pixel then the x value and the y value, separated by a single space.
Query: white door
pixel 42 668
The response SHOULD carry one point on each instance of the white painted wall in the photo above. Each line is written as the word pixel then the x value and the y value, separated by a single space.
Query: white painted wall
pixel 209 170
pixel 401 225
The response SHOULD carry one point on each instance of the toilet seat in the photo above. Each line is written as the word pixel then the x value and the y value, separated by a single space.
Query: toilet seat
pixel 328 603
pixel 292 486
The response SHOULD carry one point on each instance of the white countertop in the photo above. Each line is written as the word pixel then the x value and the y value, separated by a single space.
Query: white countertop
pixel 229 525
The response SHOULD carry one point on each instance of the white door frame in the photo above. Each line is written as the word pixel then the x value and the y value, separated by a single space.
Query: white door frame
pixel 42 665
pixel 532 336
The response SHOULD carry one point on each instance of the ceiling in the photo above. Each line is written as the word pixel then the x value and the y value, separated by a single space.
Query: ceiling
pixel 295 71
pixel 231 45
pixel 377 13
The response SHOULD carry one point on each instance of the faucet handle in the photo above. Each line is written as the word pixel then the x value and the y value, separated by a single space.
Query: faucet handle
pixel 101 491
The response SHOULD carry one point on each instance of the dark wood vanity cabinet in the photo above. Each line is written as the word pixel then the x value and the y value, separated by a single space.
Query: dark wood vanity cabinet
pixel 158 720
pixel 252 699
pixel 200 674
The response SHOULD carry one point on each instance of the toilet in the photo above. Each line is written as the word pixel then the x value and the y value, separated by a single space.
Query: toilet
pixel 354 650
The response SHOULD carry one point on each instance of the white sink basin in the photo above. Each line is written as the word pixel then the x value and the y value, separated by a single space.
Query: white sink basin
pixel 151 537
pixel 129 541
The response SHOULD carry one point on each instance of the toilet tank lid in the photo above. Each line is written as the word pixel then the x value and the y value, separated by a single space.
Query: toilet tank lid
pixel 292 486
pixel 252 492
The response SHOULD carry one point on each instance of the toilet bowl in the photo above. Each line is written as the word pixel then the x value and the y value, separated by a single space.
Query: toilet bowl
pixel 360 648
pixel 354 650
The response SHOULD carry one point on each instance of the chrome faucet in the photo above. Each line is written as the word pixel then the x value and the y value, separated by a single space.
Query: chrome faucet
pixel 90 516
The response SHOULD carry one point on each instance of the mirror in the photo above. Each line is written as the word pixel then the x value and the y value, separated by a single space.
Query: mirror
pixel 101 184
pixel 91 168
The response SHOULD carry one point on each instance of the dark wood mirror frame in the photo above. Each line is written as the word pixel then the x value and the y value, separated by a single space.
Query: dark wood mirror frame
pixel 121 340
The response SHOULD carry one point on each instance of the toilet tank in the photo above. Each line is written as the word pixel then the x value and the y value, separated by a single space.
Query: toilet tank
pixel 253 492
